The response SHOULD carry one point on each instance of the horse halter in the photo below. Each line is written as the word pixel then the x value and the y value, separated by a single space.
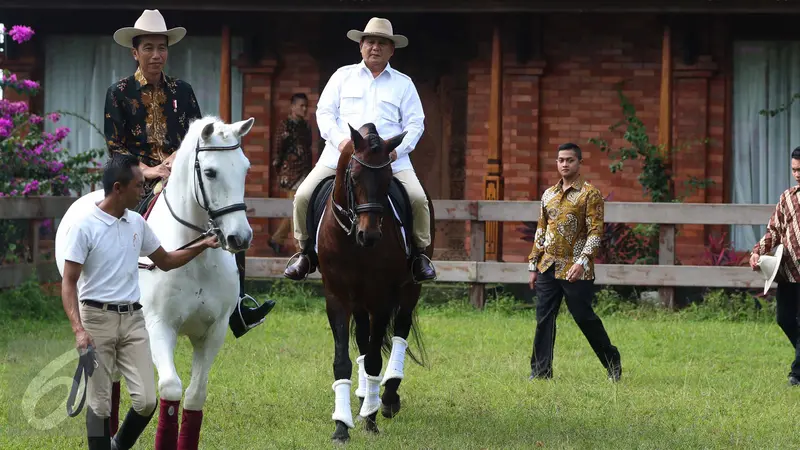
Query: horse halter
pixel 213 214
pixel 353 208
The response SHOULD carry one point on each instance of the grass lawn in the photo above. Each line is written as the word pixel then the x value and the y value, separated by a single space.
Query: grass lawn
pixel 686 384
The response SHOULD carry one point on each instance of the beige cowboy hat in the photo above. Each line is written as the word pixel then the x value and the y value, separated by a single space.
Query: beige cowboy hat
pixel 150 22
pixel 379 27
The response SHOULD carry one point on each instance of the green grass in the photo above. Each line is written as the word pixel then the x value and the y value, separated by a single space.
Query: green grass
pixel 686 384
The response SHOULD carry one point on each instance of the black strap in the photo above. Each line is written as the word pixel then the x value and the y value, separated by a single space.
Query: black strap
pixel 86 364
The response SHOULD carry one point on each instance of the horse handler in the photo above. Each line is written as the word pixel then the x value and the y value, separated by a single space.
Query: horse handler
pixel 100 294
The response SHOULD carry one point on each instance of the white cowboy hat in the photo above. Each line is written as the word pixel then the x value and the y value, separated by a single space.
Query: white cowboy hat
pixel 379 27
pixel 150 22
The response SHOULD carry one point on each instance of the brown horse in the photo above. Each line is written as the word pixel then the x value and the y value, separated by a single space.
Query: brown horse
pixel 365 267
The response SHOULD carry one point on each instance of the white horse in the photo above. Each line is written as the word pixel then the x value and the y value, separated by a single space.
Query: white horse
pixel 205 191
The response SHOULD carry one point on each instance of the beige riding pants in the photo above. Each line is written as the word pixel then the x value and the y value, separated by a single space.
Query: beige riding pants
pixel 121 341
pixel 408 178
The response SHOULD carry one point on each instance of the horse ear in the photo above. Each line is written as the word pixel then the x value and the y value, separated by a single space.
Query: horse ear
pixel 392 143
pixel 356 137
pixel 208 130
pixel 244 127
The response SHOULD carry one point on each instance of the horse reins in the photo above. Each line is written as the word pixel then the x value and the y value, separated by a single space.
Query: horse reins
pixel 86 365
pixel 353 208
pixel 213 214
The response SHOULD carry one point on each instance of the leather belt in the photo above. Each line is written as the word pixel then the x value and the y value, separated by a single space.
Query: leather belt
pixel 111 307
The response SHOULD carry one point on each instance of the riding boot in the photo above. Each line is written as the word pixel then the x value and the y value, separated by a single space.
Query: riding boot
pixel 245 318
pixel 130 430
pixel 98 434
pixel 422 269
pixel 304 265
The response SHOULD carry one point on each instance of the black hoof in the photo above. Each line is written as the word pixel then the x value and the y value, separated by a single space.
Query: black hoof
pixel 342 434
pixel 370 425
pixel 390 410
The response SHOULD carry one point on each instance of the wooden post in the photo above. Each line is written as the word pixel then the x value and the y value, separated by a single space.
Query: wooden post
pixel 666 248
pixel 493 181
pixel 225 76
pixel 477 291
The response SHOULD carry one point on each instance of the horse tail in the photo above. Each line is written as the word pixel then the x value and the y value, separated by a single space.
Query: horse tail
pixel 415 335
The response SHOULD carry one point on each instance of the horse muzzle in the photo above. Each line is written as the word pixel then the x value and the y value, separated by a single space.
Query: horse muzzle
pixel 235 243
pixel 368 238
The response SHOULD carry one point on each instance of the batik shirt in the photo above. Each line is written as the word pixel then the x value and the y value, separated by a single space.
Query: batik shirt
pixel 293 148
pixel 148 121
pixel 783 228
pixel 570 229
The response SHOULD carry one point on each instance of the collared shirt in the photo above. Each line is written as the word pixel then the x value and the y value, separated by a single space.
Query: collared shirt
pixel 109 250
pixel 353 96
pixel 148 121
pixel 783 228
pixel 293 148
pixel 570 229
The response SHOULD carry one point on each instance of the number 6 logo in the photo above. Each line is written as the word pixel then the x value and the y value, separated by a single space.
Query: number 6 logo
pixel 40 386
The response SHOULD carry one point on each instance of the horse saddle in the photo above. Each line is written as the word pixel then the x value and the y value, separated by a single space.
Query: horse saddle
pixel 146 205
pixel 398 198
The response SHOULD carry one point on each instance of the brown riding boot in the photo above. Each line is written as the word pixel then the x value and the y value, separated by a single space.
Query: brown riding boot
pixel 300 269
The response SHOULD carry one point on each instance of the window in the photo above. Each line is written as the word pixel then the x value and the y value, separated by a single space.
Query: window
pixel 765 76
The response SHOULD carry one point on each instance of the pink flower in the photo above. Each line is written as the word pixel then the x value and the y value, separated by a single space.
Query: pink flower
pixel 33 186
pixel 30 85
pixel 6 126
pixel 56 166
pixel 21 33
pixel 61 133
pixel 36 120
pixel 54 117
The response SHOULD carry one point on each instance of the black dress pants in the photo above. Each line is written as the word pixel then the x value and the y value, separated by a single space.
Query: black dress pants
pixel 579 295
pixel 788 296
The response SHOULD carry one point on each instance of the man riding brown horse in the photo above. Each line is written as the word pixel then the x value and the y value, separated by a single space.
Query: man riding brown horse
pixel 369 92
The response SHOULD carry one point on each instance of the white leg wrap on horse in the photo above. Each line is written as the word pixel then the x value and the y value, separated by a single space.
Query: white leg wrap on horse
pixel 361 389
pixel 372 401
pixel 342 411
pixel 396 360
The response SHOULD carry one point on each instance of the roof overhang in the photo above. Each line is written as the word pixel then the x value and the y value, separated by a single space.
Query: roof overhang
pixel 412 6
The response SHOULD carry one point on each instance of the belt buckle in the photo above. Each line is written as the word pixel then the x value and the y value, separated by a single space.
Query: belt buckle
pixel 122 309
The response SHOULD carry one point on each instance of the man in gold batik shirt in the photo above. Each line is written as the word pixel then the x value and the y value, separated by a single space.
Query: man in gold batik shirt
pixel 561 264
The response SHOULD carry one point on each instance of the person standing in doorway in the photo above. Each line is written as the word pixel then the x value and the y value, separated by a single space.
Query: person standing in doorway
pixel 100 295
pixel 561 264
pixel 292 159
pixel 782 229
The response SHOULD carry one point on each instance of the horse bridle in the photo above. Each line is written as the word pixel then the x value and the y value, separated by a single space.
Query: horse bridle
pixel 213 214
pixel 353 208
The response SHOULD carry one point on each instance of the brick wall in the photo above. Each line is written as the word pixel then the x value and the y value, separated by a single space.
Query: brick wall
pixel 568 96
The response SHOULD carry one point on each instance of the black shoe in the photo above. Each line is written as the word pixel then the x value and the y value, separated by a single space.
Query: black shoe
pixel 794 380
pixel 300 269
pixel 540 376
pixel 243 318
pixel 130 430
pixel 615 371
pixel 422 269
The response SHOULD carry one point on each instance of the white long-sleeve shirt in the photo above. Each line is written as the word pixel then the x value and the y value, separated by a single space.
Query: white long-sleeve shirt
pixel 353 96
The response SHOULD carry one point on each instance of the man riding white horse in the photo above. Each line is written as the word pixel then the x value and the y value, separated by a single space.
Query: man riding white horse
pixel 147 115
pixel 369 92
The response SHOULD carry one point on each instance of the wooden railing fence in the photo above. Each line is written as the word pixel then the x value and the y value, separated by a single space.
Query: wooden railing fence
pixel 666 275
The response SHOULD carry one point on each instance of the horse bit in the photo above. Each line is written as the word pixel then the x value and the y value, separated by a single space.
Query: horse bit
pixel 353 208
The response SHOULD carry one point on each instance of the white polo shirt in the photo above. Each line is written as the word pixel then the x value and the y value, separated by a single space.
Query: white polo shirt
pixel 353 96
pixel 109 250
